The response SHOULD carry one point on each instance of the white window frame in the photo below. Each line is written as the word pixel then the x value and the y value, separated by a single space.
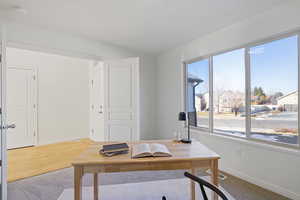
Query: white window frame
pixel 246 47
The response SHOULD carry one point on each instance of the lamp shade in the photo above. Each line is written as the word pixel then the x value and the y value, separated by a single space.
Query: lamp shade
pixel 182 116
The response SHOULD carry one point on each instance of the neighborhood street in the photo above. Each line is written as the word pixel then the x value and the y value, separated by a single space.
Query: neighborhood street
pixel 237 127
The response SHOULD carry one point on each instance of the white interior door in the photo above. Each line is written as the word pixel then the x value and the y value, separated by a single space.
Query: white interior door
pixel 20 106
pixel 122 100
pixel 97 102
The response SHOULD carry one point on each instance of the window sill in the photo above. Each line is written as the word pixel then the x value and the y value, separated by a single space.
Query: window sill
pixel 251 142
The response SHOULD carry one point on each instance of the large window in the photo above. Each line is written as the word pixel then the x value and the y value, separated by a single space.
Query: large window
pixel 229 92
pixel 254 91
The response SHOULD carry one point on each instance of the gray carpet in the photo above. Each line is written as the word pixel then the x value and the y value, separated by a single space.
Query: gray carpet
pixel 172 189
pixel 50 186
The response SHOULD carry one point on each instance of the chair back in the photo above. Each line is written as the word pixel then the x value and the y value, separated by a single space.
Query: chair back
pixel 203 183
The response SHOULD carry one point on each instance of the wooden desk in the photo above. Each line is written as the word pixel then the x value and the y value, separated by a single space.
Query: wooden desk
pixel 185 156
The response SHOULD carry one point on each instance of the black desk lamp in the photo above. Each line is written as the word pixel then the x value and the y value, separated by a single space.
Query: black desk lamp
pixel 183 117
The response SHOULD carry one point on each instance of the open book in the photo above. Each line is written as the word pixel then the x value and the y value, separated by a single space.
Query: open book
pixel 151 149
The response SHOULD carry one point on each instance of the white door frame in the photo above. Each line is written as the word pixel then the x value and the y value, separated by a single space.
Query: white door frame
pixel 93 66
pixel 3 115
pixel 35 97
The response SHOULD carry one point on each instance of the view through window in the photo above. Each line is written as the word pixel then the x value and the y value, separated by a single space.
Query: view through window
pixel 274 90
pixel 273 82
pixel 229 92
pixel 198 91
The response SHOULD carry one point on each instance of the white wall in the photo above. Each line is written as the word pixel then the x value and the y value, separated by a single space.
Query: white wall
pixel 35 38
pixel 63 94
pixel 59 42
pixel 273 169
pixel 148 87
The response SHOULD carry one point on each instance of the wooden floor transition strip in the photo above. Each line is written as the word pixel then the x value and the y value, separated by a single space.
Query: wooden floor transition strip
pixel 37 160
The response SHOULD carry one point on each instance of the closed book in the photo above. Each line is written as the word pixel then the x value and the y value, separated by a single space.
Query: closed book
pixel 109 154
pixel 109 148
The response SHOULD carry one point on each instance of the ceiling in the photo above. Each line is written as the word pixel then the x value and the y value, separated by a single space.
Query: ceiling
pixel 149 26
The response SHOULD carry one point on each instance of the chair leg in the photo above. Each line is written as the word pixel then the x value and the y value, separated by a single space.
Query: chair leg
pixel 193 192
pixel 203 192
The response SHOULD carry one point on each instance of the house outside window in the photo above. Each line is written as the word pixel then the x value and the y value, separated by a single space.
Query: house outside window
pixel 198 92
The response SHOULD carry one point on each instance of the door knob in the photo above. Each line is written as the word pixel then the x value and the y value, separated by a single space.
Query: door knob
pixel 101 109
pixel 9 126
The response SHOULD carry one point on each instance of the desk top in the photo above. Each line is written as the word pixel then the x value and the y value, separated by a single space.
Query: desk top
pixel 181 152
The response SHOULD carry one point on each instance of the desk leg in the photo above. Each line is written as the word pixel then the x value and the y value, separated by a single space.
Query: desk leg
pixel 96 186
pixel 78 173
pixel 214 176
pixel 193 193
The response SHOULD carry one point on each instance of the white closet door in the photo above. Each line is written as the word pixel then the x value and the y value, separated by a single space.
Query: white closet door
pixel 122 100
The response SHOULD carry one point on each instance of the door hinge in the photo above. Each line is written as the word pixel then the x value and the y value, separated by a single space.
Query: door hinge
pixel 33 77
pixel 92 107
pixel 92 130
pixel 92 83
pixel 34 106
pixel 0 58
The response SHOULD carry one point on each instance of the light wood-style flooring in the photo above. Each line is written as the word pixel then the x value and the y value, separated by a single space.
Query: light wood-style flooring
pixel 32 161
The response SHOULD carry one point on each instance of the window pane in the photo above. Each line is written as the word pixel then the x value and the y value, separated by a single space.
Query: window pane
pixel 274 88
pixel 229 92
pixel 198 92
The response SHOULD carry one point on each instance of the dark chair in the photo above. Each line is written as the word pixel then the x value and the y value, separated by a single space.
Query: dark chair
pixel 203 183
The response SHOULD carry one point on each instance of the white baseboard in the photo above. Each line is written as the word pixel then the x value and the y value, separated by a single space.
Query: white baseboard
pixel 274 188
pixel 61 140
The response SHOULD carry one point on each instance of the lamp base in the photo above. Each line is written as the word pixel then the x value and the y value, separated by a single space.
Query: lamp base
pixel 187 141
